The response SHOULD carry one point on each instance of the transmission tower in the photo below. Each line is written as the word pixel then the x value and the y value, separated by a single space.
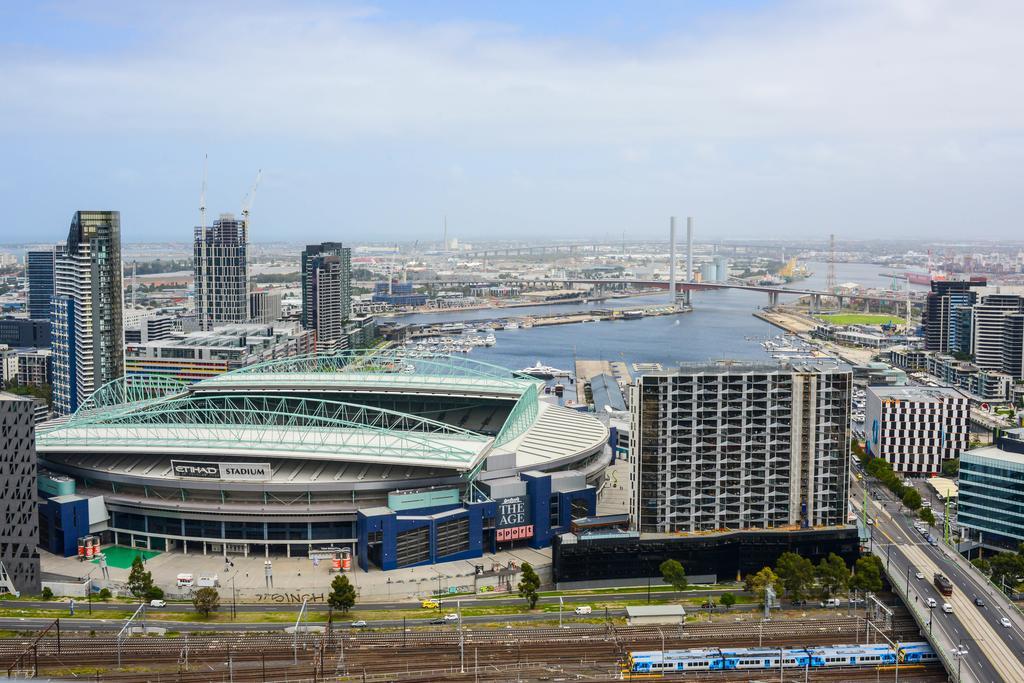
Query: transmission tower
pixel 830 278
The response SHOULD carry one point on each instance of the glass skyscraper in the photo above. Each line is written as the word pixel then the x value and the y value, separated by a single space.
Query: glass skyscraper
pixel 87 326
pixel 39 266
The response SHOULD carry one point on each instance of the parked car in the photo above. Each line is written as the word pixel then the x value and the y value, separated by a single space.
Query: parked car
pixel 158 603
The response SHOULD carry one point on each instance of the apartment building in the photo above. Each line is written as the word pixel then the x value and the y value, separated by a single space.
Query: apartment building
pixel 221 264
pixel 738 446
pixel 916 428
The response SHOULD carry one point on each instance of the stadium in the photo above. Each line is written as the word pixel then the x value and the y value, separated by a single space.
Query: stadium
pixel 400 460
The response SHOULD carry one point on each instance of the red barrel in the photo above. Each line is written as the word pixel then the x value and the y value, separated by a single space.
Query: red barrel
pixel 346 563
pixel 81 550
pixel 336 564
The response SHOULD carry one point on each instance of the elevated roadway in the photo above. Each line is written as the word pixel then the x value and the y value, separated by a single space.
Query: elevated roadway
pixel 991 652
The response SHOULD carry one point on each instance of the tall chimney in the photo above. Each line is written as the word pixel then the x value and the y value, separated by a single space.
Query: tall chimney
pixel 672 260
pixel 689 249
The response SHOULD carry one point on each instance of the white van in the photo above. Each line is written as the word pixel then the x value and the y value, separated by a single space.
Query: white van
pixel 832 602
pixel 186 580
pixel 208 581
pixel 947 608
pixel 584 609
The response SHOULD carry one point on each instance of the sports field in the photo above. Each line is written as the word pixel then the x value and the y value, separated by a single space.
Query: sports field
pixel 121 557
pixel 861 319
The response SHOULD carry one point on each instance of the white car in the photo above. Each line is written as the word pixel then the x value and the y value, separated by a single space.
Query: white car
pixel 358 624
pixel 451 617
pixel 932 603
pixel 157 603
pixel 919 575
pixel 1005 622
pixel 947 608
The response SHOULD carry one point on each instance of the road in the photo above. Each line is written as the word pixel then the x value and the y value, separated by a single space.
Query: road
pixel 994 653
pixel 82 605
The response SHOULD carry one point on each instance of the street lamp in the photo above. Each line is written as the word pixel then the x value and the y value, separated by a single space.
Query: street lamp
pixel 959 653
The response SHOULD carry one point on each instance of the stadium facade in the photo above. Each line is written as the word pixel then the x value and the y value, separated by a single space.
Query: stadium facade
pixel 403 461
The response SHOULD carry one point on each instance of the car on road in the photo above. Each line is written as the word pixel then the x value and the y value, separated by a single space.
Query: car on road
pixel 932 603
pixel 430 604
pixel 451 617
pixel 158 603
pixel 933 541
pixel 919 575
pixel 358 624
pixel 1005 622
pixel 947 608
pixel 979 602
pixel 871 522
pixel 439 620
pixel 584 609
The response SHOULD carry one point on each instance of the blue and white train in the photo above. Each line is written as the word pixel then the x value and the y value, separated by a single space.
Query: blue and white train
pixel 716 659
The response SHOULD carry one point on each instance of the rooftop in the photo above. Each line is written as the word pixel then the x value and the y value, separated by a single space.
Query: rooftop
pixel 919 394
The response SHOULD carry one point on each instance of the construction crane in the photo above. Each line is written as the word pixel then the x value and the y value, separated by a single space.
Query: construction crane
pixel 247 201
pixel 200 284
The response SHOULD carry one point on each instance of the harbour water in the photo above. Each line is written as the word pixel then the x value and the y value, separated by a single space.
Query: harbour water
pixel 721 326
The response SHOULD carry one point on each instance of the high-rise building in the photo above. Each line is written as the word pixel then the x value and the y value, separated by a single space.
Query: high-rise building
pixel 87 333
pixel 735 446
pixel 998 333
pixel 916 428
pixel 264 306
pixel 39 267
pixel 327 293
pixel 947 313
pixel 220 257
pixel 19 525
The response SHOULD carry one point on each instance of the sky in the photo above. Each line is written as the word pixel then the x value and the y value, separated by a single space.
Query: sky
pixel 516 120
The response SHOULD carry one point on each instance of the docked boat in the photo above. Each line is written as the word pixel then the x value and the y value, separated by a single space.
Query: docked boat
pixel 544 371
pixel 511 325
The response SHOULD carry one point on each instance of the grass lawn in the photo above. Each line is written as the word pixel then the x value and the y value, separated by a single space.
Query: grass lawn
pixel 861 319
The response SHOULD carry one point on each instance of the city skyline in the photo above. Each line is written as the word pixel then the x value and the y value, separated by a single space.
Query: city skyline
pixel 375 121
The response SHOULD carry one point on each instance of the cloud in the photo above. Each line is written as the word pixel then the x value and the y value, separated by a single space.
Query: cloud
pixel 761 102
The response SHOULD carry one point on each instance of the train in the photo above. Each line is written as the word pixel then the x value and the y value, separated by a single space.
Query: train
pixel 942 584
pixel 718 659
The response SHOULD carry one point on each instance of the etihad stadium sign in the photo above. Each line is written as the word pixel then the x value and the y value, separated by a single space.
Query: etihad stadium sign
pixel 223 471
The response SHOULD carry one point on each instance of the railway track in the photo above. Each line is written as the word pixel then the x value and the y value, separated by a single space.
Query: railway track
pixel 399 656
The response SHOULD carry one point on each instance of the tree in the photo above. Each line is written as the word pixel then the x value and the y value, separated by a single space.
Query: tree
pixel 796 573
pixel 951 468
pixel 154 593
pixel 833 575
pixel 529 584
pixel 343 593
pixel 47 593
pixel 140 582
pixel 927 516
pixel 1008 567
pixel 727 600
pixel 206 600
pixel 673 574
pixel 911 498
pixel 867 574
pixel 758 583
pixel 104 594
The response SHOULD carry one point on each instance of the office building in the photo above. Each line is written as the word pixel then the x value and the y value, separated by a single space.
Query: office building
pixel 87 334
pixel 990 506
pixel 397 294
pixel 39 267
pixel 947 314
pixel 327 293
pixel 998 332
pixel 736 446
pixel 916 428
pixel 264 306
pixel 198 355
pixel 22 332
pixel 19 559
pixel 220 257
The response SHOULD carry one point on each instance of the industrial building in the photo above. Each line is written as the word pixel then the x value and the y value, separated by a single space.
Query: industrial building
pixel 738 446
pixel 19 559
pixel 402 461
pixel 199 355
pixel 991 492
pixel 916 428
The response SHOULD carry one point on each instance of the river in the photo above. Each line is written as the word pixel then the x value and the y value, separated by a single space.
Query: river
pixel 721 326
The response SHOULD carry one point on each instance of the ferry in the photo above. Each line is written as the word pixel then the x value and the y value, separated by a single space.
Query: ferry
pixel 544 371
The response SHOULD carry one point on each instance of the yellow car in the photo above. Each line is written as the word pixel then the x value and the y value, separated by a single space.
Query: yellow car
pixel 430 604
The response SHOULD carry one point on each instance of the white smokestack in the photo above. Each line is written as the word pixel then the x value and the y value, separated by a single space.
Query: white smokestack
pixel 672 259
